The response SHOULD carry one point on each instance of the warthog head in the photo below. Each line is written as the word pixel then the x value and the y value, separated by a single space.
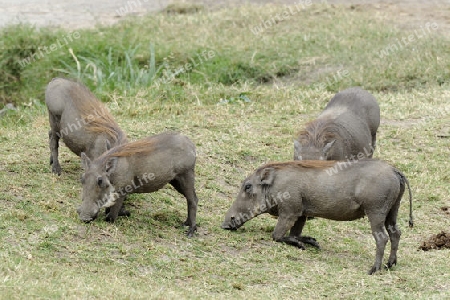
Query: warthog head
pixel 252 200
pixel 98 191
pixel 311 152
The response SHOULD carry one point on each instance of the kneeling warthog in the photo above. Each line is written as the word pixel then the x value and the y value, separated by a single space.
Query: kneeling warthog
pixel 296 190
pixel 80 120
pixel 346 128
pixel 142 166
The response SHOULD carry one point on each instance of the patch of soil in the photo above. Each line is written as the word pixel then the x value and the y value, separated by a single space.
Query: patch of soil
pixel 438 241
pixel 408 14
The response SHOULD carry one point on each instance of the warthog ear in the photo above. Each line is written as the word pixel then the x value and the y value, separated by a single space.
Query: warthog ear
pixel 267 176
pixel 110 165
pixel 85 161
pixel 327 148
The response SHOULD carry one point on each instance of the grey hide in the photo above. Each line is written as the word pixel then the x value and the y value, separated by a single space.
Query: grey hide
pixel 339 191
pixel 142 166
pixel 345 129
pixel 78 118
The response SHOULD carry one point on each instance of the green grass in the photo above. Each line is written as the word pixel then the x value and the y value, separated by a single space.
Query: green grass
pixel 237 124
pixel 309 48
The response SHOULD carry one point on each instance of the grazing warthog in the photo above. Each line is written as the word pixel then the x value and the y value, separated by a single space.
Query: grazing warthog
pixel 142 166
pixel 80 120
pixel 346 128
pixel 296 190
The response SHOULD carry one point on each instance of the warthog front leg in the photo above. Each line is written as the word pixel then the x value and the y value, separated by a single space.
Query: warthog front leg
pixel 184 184
pixel 374 143
pixel 122 212
pixel 296 232
pixel 114 210
pixel 49 138
pixel 283 225
pixel 54 145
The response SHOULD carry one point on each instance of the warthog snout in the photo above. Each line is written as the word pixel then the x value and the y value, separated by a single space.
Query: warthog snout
pixel 231 224
pixel 85 217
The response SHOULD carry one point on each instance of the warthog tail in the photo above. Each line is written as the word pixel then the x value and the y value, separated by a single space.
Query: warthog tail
pixel 404 180
pixel 411 222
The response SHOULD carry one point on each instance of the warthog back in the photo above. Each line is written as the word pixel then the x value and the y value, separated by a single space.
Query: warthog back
pixel 346 129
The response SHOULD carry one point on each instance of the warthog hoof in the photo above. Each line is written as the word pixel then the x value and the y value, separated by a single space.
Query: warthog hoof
pixel 109 219
pixel 373 270
pixel 293 241
pixel 122 212
pixel 308 240
pixel 192 229
pixel 56 169
pixel 190 232
pixel 390 263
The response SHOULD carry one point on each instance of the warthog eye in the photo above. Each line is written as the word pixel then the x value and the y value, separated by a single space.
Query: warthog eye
pixel 100 181
pixel 248 187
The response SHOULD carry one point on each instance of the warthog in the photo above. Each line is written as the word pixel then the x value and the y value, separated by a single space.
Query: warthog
pixel 80 120
pixel 296 190
pixel 346 128
pixel 142 166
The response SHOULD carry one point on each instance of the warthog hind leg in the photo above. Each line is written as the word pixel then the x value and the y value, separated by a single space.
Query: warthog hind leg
pixel 381 238
pixel 394 232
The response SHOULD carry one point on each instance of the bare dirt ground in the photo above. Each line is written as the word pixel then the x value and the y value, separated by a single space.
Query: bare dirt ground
pixel 88 13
